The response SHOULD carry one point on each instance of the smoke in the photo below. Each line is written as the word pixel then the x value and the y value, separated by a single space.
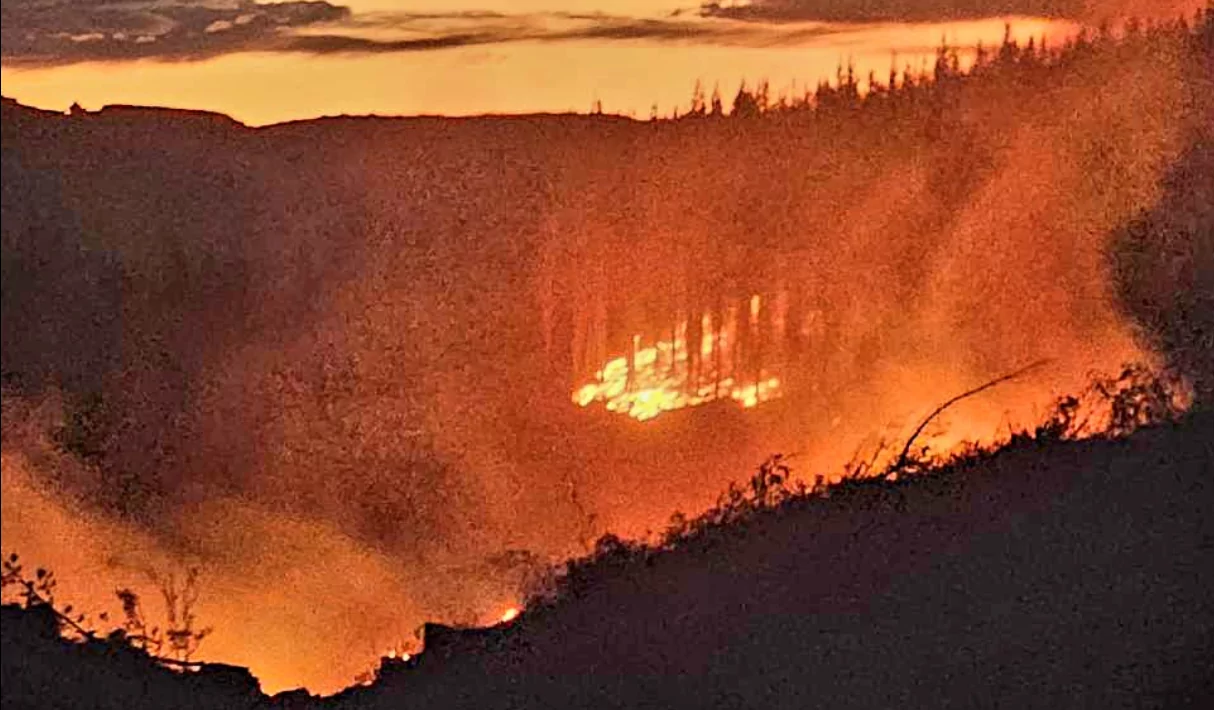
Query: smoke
pixel 931 263
pixel 1101 10
pixel 269 580
pixel 335 359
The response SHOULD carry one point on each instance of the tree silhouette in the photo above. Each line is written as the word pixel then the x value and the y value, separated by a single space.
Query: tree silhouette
pixel 745 104
pixel 698 106
pixel 716 110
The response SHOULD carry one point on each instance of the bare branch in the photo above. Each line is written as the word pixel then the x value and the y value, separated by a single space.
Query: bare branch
pixel 901 461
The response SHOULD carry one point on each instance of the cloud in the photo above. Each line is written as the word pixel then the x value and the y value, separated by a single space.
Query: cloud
pixel 338 43
pixel 47 32
pixel 936 10
pixel 60 31
pixel 601 28
pixel 626 29
pixel 881 10
pixel 54 32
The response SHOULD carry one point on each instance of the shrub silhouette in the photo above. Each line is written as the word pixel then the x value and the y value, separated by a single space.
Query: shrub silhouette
pixel 1111 407
pixel 176 641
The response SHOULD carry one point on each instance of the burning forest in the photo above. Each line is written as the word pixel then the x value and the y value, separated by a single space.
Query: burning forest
pixel 367 377
pixel 710 359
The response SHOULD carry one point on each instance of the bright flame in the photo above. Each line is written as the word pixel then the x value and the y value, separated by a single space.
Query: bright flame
pixel 662 377
pixel 510 615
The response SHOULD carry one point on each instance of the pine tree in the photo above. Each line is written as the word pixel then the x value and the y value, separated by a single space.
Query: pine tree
pixel 698 107
pixel 744 104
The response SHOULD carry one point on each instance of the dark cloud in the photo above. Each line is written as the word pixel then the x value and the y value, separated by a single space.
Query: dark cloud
pixel 42 32
pixel 602 28
pixel 891 10
pixel 338 44
pixel 53 31
pixel 407 19
pixel 609 29
pixel 57 31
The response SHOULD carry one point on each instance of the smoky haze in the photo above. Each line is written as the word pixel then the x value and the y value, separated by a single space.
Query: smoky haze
pixel 331 362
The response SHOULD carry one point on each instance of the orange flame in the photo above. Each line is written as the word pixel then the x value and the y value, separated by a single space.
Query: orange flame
pixel 658 378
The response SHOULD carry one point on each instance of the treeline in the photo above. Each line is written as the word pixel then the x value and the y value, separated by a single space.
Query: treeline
pixel 1035 63
pixel 716 241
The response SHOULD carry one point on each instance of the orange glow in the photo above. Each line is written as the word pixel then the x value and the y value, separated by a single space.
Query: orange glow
pixel 393 419
pixel 660 376
pixel 260 88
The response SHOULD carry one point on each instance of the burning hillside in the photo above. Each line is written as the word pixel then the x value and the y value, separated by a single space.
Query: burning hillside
pixel 731 356
pixel 369 356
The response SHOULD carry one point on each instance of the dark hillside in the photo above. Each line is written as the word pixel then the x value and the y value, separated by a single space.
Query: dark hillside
pixel 40 670
pixel 1063 575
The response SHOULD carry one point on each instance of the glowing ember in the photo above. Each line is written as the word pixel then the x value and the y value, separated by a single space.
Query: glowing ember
pixel 510 615
pixel 667 375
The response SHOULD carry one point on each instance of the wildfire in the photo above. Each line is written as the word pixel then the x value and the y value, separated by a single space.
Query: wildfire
pixel 509 615
pixel 668 375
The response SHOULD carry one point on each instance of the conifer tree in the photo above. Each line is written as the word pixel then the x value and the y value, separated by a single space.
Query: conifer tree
pixel 717 109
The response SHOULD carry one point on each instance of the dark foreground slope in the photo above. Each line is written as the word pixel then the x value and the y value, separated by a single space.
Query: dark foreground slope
pixel 1060 574
pixel 1063 575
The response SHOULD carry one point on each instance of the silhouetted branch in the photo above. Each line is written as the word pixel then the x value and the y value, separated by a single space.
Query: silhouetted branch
pixel 901 461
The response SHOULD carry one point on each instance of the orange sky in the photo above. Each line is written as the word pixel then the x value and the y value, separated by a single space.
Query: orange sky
pixel 518 76
pixel 264 62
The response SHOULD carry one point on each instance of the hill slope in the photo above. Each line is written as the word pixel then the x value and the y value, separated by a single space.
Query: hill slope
pixel 1046 574
pixel 1074 574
